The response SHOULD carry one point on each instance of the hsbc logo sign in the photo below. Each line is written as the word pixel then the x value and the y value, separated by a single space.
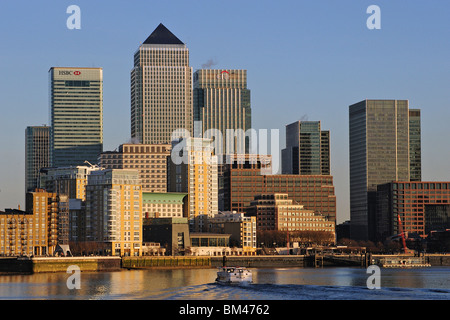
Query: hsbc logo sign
pixel 69 73
pixel 224 75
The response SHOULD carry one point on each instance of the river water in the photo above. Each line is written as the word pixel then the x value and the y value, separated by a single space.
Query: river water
pixel 198 284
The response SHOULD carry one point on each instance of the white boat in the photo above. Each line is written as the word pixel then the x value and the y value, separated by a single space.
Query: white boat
pixel 234 275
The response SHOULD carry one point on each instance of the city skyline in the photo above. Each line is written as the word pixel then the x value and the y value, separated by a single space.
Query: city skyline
pixel 317 38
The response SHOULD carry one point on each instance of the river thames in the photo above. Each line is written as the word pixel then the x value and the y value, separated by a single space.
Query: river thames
pixel 332 283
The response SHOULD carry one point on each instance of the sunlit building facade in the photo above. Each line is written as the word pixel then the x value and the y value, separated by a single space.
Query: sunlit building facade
pixel 114 211
pixel 161 88
pixel 76 115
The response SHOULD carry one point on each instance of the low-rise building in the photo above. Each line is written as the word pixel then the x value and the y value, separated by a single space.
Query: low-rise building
pixel 277 212
pixel 242 229
pixel 164 205
pixel 171 233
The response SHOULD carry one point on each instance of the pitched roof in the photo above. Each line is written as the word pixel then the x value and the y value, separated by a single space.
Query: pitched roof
pixel 162 35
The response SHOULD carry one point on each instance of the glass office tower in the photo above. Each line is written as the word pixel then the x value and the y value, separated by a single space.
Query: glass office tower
pixel 379 153
pixel 307 149
pixel 222 102
pixel 37 154
pixel 161 88
pixel 415 150
pixel 76 115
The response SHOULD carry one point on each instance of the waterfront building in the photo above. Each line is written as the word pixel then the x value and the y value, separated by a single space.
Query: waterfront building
pixel 53 211
pixel 161 88
pixel 222 107
pixel 77 220
pixel 242 180
pixel 164 205
pixel 423 207
pixel 18 235
pixel 37 154
pixel 76 115
pixel 212 244
pixel 276 211
pixel 307 149
pixel 379 153
pixel 149 159
pixel 114 211
pixel 70 181
pixel 242 229
pixel 39 229
pixel 195 173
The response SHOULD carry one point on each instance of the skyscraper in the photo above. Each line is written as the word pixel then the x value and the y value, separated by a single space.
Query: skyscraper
pixel 37 154
pixel 307 149
pixel 415 149
pixel 222 102
pixel 76 115
pixel 379 153
pixel 161 88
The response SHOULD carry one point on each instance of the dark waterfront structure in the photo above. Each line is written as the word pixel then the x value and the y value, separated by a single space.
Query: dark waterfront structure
pixel 379 153
pixel 171 233
pixel 307 149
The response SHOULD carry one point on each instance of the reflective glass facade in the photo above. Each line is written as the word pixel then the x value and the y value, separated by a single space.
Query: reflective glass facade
pixel 415 150
pixel 307 149
pixel 37 154
pixel 222 102
pixel 76 115
pixel 379 153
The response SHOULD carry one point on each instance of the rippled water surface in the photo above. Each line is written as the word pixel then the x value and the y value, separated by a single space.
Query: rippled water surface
pixel 268 284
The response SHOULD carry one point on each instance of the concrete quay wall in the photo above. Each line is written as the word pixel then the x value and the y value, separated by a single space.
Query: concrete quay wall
pixel 261 261
pixel 58 264
pixel 438 259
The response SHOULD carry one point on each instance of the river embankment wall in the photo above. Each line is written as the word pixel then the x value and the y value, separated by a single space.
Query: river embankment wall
pixel 12 265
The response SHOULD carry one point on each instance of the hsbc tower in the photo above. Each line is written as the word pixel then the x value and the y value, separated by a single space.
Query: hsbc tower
pixel 76 115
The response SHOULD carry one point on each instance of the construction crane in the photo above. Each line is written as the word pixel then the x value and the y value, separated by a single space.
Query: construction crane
pixel 402 234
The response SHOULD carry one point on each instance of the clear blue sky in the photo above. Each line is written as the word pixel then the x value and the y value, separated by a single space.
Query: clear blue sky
pixel 309 59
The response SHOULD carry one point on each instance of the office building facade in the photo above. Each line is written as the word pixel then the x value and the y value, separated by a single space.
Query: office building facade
pixel 307 149
pixel 37 154
pixel 415 147
pixel 149 159
pixel 278 212
pixel 69 181
pixel 241 181
pixel 76 115
pixel 422 206
pixel 222 108
pixel 379 153
pixel 161 89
